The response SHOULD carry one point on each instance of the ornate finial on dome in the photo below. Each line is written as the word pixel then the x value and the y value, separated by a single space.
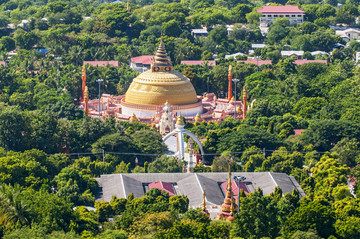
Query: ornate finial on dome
pixel 161 61
pixel 180 121
pixel 198 118
pixel 133 118
pixel 244 91
pixel 86 92
pixel 230 69
pixel 229 182
pixel 204 204
pixel 83 71
pixel 232 99
pixel 238 109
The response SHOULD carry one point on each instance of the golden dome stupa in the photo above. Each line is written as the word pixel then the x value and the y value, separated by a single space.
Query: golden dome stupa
pixel 161 83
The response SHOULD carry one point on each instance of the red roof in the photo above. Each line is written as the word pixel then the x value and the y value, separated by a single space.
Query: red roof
pixel 302 62
pixel 167 187
pixel 192 62
pixel 2 63
pixel 281 9
pixel 235 188
pixel 298 131
pixel 254 61
pixel 145 60
pixel 102 63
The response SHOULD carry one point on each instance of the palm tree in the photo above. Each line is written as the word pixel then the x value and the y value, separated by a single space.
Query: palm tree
pixel 13 210
pixel 74 54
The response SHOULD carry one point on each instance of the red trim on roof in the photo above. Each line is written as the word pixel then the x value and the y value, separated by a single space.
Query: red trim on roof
pixel 281 10
pixel 102 63
pixel 234 187
pixel 196 62
pixel 2 63
pixel 145 60
pixel 167 187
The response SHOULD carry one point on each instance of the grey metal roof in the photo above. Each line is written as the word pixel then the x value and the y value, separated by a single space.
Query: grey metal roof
pixel 192 184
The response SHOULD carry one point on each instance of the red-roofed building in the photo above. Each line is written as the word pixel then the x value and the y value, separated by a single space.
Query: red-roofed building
pixel 167 187
pixel 2 63
pixel 102 63
pixel 270 13
pixel 302 62
pixel 196 62
pixel 141 63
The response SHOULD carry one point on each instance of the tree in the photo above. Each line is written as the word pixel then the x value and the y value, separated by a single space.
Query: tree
pixel 7 44
pixel 308 106
pixel 166 164
pixel 348 150
pixel 316 215
pixel 239 12
pixel 346 14
pixel 76 187
pixel 276 34
pixel 323 134
pixel 219 35
pixel 172 28
pixel 257 217
pixel 253 17
pixel 25 40
pixel 222 163
pixel 14 211
pixel 14 129
pixel 325 11
pixel 149 142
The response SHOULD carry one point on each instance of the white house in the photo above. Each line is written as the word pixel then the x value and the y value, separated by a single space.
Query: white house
pixel 270 13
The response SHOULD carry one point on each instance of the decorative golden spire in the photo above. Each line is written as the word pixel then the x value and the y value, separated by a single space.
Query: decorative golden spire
pixel 232 99
pixel 244 92
pixel 230 69
pixel 161 61
pixel 128 6
pixel 204 204
pixel 86 93
pixel 198 118
pixel 204 199
pixel 83 71
pixel 133 118
pixel 229 182
pixel 179 120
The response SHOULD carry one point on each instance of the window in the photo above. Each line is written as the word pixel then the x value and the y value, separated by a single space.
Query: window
pixel 269 15
pixel 299 15
pixel 275 15
pixel 281 15
pixel 287 15
pixel 292 15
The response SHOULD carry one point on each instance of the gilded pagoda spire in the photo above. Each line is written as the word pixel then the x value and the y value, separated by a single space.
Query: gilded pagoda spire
pixel 229 181
pixel 204 204
pixel 180 121
pixel 161 61
pixel 229 201
pixel 198 118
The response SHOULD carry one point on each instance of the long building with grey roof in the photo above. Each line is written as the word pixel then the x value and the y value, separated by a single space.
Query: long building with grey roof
pixel 192 185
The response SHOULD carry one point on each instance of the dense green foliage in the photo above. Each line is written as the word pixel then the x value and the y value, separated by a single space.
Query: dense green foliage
pixel 45 180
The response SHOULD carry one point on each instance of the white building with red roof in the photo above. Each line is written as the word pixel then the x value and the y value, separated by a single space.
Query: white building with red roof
pixel 270 13
pixel 141 63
